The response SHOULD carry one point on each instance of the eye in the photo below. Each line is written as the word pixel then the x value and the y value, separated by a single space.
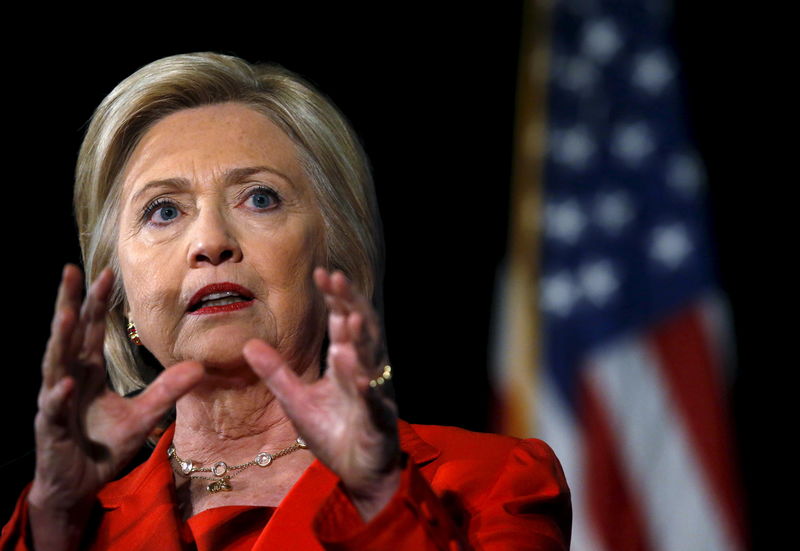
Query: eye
pixel 161 211
pixel 166 213
pixel 262 198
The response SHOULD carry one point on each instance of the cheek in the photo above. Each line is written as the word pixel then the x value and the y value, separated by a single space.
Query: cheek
pixel 147 287
pixel 287 268
pixel 292 254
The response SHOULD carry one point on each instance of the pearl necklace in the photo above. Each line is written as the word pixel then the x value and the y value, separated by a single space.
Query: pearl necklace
pixel 221 471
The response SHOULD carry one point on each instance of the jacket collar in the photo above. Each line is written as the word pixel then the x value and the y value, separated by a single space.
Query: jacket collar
pixel 421 452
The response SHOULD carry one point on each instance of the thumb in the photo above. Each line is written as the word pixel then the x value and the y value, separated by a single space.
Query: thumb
pixel 164 391
pixel 265 361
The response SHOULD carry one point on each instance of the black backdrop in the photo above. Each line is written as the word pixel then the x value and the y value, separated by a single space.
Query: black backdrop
pixel 431 94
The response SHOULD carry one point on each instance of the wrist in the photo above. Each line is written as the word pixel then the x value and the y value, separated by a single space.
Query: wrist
pixel 371 499
pixel 53 528
pixel 44 496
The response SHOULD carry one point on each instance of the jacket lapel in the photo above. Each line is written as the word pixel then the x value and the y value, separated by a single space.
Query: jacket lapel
pixel 142 505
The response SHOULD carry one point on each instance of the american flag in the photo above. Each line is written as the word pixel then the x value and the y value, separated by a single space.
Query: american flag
pixel 630 323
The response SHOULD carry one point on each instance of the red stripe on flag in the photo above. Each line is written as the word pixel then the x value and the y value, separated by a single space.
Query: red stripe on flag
pixel 613 508
pixel 694 382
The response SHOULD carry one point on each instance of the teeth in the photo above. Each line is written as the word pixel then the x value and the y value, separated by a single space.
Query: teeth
pixel 221 301
pixel 215 296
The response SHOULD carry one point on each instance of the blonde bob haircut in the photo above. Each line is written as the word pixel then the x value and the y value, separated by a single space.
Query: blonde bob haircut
pixel 326 145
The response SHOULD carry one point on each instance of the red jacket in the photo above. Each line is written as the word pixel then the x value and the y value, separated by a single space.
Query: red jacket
pixel 459 490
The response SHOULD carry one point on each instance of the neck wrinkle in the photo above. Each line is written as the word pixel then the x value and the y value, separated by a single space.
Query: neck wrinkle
pixel 232 424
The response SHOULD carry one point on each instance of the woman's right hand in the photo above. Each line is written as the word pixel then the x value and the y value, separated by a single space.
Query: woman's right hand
pixel 85 432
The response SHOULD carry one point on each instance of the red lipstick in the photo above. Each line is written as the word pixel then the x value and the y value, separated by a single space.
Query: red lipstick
pixel 220 297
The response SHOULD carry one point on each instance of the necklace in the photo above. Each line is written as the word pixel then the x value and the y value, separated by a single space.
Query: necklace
pixel 221 471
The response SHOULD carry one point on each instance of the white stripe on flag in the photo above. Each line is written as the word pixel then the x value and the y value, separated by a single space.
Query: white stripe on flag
pixel 557 427
pixel 663 472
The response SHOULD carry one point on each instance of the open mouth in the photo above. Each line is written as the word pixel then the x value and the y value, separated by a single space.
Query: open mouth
pixel 220 297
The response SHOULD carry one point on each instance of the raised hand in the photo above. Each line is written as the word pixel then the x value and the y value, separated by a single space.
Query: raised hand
pixel 85 432
pixel 350 426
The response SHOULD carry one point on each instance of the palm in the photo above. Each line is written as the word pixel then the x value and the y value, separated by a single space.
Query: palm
pixel 341 428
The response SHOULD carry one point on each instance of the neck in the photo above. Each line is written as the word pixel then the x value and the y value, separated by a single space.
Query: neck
pixel 231 417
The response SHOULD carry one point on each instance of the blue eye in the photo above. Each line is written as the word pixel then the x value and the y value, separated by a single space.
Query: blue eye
pixel 167 213
pixel 263 199
pixel 161 211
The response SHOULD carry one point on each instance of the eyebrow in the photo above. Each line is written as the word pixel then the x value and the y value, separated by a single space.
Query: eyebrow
pixel 231 176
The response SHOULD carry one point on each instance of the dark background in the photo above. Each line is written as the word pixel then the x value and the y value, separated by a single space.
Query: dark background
pixel 431 94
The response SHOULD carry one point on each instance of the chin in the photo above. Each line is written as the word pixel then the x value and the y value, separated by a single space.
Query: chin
pixel 220 348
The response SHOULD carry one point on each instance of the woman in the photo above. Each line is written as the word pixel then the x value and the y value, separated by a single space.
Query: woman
pixel 228 225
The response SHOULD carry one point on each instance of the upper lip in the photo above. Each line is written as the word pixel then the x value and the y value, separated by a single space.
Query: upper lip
pixel 224 287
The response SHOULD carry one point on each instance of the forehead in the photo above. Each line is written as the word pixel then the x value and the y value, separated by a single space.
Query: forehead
pixel 200 142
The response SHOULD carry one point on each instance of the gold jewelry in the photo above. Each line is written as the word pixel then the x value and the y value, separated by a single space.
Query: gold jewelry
pixel 382 378
pixel 133 334
pixel 220 481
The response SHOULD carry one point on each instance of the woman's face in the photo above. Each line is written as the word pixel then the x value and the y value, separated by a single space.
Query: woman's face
pixel 219 235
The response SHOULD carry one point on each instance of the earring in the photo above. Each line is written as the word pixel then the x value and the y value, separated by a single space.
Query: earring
pixel 133 335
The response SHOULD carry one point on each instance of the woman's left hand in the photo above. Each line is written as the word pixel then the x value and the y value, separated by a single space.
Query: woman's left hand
pixel 350 426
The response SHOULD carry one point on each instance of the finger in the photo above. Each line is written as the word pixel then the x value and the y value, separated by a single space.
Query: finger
pixel 54 402
pixel 342 299
pixel 323 280
pixel 345 368
pixel 360 329
pixel 57 353
pixel 69 290
pixel 92 315
pixel 355 302
pixel 93 321
pixel 340 293
pixel 152 404
pixel 347 296
pixel 364 342
pixel 357 328
pixel 352 344
pixel 281 379
pixel 56 357
pixel 338 329
pixel 352 319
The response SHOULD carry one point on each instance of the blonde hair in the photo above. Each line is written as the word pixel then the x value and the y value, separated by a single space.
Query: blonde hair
pixel 327 148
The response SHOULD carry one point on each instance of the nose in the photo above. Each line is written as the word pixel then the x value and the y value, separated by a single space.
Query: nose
pixel 212 241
